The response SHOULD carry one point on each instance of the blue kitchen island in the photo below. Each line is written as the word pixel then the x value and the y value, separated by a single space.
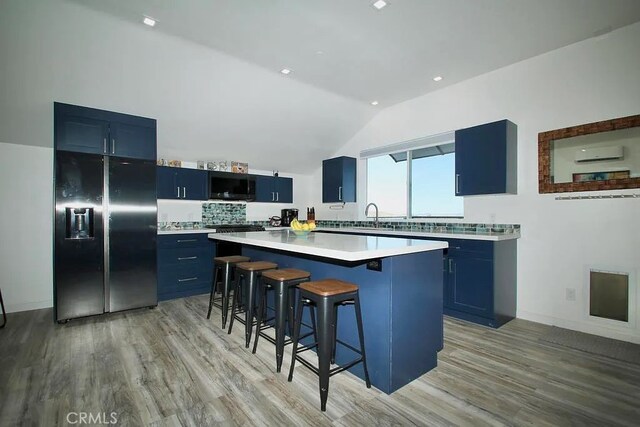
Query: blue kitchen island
pixel 400 284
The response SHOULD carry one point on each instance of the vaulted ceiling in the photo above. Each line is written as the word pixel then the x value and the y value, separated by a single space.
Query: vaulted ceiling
pixel 209 71
pixel 390 55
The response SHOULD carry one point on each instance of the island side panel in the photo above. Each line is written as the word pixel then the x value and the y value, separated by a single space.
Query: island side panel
pixel 375 301
pixel 416 315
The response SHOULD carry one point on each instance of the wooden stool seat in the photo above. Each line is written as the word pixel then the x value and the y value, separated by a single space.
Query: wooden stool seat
pixel 328 287
pixel 256 265
pixel 286 274
pixel 233 259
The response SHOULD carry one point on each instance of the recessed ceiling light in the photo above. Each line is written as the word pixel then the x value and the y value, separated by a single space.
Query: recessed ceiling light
pixel 285 71
pixel 437 78
pixel 374 102
pixel 149 21
pixel 319 52
pixel 379 4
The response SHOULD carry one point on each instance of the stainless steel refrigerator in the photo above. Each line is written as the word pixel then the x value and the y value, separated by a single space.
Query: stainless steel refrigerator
pixel 105 234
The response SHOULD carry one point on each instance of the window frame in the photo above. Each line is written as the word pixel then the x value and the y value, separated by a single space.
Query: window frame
pixel 408 147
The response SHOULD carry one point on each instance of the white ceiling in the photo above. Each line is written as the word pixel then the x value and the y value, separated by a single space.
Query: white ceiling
pixel 389 55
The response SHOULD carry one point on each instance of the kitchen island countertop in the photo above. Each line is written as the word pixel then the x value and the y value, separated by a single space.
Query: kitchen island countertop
pixel 345 247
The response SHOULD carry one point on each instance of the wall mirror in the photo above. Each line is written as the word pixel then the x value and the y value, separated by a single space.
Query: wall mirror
pixel 595 156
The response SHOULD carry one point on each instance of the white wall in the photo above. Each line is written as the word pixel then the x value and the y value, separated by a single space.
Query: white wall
pixel 590 81
pixel 26 226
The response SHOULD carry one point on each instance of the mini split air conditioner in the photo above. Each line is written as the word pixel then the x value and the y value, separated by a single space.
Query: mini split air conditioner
pixel 599 153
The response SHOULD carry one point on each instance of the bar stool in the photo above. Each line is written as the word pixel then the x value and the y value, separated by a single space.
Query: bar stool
pixel 4 313
pixel 247 273
pixel 283 282
pixel 224 265
pixel 325 295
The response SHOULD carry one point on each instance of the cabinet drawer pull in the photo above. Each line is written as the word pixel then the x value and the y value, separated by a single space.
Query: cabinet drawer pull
pixel 187 240
pixel 457 183
pixel 190 279
pixel 187 257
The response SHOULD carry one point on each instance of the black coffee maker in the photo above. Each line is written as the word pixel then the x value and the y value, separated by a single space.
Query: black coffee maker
pixel 288 215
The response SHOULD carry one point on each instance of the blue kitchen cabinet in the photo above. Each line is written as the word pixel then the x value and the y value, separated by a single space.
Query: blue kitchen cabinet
pixel 274 189
pixel 480 281
pixel 182 183
pixel 88 130
pixel 185 265
pixel 339 180
pixel 479 278
pixel 486 159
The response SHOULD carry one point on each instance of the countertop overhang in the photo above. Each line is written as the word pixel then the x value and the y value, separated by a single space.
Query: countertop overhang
pixel 345 247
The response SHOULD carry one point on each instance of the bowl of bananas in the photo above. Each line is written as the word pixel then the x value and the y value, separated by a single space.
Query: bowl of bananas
pixel 302 229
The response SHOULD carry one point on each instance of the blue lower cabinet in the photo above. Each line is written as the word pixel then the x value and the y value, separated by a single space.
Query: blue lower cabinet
pixel 480 281
pixel 185 265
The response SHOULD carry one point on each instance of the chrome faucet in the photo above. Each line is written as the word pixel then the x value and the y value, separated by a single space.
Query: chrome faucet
pixel 366 211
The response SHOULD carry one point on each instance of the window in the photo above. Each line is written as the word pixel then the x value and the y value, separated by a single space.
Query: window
pixel 430 191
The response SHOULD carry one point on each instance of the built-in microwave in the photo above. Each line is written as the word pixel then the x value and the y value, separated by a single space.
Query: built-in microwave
pixel 231 186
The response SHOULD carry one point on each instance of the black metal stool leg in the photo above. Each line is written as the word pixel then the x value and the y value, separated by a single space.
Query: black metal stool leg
pixel 250 306
pixel 214 283
pixel 226 291
pixel 234 303
pixel 361 336
pixel 259 313
pixel 326 322
pixel 335 334
pixel 296 335
pixel 4 313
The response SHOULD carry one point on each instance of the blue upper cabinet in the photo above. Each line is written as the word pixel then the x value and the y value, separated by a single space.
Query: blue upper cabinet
pixel 486 159
pixel 181 183
pixel 274 189
pixel 88 130
pixel 339 180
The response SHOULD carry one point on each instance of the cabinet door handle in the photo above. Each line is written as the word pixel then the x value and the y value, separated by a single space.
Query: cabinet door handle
pixel 277 196
pixel 187 257
pixel 273 196
pixel 113 146
pixel 104 145
pixel 190 279
pixel 457 183
pixel 187 240
pixel 450 265
pixel 184 192
pixel 339 194
pixel 178 192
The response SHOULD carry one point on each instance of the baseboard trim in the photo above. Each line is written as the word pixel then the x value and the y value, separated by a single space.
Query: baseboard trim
pixel 26 306
pixel 633 336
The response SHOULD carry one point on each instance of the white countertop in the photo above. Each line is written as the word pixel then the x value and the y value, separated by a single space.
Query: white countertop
pixel 391 233
pixel 190 231
pixel 394 233
pixel 345 247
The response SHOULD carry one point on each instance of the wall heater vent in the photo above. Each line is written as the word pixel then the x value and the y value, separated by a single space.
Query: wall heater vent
pixel 609 295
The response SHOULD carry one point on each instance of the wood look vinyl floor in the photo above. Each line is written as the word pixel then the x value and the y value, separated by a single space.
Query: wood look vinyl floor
pixel 171 367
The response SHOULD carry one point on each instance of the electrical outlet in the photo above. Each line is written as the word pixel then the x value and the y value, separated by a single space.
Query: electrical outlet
pixel 571 294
